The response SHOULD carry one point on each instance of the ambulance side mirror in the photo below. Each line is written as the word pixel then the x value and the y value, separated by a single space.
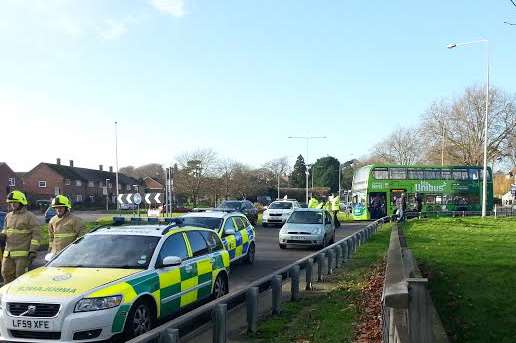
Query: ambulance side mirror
pixel 171 261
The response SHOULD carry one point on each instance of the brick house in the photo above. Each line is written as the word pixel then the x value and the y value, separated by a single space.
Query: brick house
pixel 8 182
pixel 81 185
pixel 152 186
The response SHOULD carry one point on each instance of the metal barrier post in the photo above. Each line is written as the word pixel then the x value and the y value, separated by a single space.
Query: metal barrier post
pixel 169 336
pixel 338 257
pixel 276 294
pixel 344 251
pixel 252 309
pixel 294 283
pixel 220 313
pixel 320 266
pixel 309 269
pixel 330 261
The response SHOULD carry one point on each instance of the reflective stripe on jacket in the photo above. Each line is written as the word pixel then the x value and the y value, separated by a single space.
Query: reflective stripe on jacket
pixel 63 231
pixel 335 204
pixel 22 233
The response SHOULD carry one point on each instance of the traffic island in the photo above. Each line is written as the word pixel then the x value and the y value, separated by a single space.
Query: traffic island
pixel 470 264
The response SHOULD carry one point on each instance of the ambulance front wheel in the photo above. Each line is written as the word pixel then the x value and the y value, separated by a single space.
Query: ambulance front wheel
pixel 141 319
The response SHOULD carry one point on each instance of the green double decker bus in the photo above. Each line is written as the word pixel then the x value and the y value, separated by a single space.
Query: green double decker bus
pixel 433 189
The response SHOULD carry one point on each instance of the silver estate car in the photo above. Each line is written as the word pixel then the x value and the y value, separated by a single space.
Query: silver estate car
pixel 308 227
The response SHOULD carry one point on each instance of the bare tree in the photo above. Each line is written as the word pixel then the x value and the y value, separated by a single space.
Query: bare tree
pixel 195 168
pixel 458 125
pixel 403 146
pixel 278 167
pixel 226 169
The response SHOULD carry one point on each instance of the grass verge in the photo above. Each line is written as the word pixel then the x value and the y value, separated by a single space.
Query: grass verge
pixel 329 317
pixel 470 263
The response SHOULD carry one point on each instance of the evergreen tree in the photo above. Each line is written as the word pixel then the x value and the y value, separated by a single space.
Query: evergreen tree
pixel 297 178
pixel 326 173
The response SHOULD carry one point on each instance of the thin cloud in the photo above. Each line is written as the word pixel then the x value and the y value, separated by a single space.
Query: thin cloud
pixel 172 7
pixel 113 29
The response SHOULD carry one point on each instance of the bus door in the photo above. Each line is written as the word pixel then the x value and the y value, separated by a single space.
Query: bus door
pixel 377 205
pixel 395 194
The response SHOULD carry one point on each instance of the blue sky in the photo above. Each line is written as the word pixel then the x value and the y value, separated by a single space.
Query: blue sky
pixel 238 77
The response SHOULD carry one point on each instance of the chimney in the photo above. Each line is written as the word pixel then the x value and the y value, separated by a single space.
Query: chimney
pixel 110 169
pixel 58 161
pixel 101 168
pixel 71 163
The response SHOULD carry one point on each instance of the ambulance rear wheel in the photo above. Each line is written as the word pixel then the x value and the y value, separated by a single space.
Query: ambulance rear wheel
pixel 220 288
pixel 141 319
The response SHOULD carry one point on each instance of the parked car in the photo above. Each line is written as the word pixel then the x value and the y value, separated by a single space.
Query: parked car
pixel 308 227
pixel 237 234
pixel 49 213
pixel 244 206
pixel 115 282
pixel 278 212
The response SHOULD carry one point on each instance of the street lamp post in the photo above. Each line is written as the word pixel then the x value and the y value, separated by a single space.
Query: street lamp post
pixel 116 163
pixel 484 179
pixel 107 195
pixel 307 138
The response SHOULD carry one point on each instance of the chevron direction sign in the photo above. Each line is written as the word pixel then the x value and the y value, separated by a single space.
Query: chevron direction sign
pixel 136 198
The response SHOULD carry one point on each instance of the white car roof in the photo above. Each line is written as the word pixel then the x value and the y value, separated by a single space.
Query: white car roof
pixel 211 214
pixel 309 209
pixel 139 230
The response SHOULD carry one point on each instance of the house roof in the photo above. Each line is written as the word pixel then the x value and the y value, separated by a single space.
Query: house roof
pixel 86 174
pixel 3 164
pixel 150 183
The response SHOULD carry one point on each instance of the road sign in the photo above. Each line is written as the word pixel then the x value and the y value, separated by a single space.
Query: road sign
pixel 136 198
pixel 153 198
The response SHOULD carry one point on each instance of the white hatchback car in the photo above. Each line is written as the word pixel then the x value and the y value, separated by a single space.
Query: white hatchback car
pixel 308 227
pixel 278 212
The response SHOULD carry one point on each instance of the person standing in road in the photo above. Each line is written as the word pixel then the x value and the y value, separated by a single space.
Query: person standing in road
pixel 400 206
pixel 335 208
pixel 22 235
pixel 64 227
pixel 313 202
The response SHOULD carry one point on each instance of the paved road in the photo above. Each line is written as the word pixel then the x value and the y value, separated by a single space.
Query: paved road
pixel 269 257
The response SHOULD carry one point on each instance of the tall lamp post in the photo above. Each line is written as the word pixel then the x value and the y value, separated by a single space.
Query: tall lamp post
pixel 107 195
pixel 484 179
pixel 307 138
pixel 116 163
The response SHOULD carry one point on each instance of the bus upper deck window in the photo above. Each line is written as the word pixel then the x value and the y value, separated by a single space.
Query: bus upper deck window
pixel 460 174
pixel 415 174
pixel 381 173
pixel 473 174
pixel 432 174
pixel 397 173
pixel 446 174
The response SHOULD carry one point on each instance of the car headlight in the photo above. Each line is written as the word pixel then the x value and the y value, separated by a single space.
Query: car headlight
pixel 318 231
pixel 283 230
pixel 96 304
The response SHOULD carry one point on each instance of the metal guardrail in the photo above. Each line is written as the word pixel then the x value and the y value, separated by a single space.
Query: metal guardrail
pixel 326 259
pixel 408 312
pixel 499 212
